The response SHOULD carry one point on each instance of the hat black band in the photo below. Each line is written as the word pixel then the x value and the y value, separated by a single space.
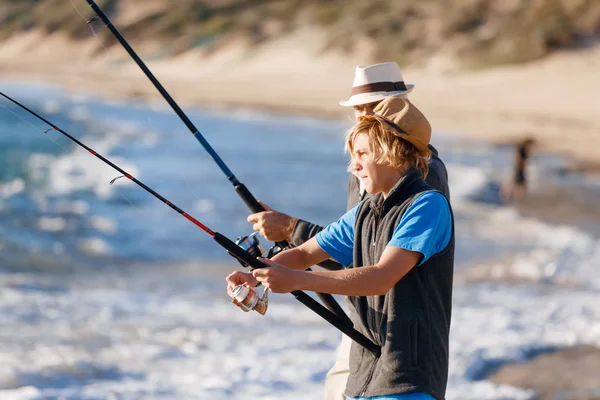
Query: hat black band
pixel 379 87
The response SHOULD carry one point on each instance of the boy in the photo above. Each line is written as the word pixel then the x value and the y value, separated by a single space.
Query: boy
pixel 399 249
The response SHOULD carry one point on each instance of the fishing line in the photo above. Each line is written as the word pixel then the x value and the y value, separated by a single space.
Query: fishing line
pixel 163 234
pixel 90 23
pixel 232 248
pixel 45 133
pixel 35 127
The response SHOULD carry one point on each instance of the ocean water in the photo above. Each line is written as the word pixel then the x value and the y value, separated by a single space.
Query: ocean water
pixel 106 293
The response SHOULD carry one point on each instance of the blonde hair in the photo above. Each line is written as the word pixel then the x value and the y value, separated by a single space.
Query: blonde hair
pixel 386 148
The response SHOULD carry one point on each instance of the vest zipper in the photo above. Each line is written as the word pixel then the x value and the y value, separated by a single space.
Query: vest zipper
pixel 377 215
pixel 364 388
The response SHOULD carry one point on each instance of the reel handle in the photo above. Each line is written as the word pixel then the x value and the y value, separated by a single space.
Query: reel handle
pixel 237 251
pixel 273 251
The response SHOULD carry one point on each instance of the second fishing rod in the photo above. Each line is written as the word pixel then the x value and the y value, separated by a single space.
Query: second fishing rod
pixel 239 187
pixel 245 257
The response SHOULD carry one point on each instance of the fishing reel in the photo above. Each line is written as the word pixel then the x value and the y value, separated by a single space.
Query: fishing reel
pixel 252 245
pixel 247 298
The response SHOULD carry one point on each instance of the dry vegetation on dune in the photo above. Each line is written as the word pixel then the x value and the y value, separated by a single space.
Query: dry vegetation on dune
pixel 477 32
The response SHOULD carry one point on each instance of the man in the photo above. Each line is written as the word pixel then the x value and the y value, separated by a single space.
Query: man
pixel 399 246
pixel 371 84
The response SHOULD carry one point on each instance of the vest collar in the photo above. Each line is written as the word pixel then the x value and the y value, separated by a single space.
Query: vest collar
pixel 398 193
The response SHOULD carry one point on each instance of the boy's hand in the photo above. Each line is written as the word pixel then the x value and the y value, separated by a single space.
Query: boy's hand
pixel 237 278
pixel 277 278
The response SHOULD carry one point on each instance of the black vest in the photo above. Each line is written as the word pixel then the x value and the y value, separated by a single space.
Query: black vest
pixel 412 321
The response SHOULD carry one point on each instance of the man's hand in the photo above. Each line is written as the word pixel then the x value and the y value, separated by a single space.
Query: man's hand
pixel 273 225
pixel 277 278
pixel 237 278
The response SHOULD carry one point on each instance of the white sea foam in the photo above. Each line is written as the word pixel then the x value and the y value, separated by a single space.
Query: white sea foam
pixel 95 246
pixel 79 113
pixel 51 106
pixel 557 253
pixel 104 225
pixel 123 128
pixel 79 170
pixel 137 338
pixel 52 224
pixel 471 180
pixel 22 393
pixel 79 207
pixel 11 188
pixel 151 139
pixel 204 206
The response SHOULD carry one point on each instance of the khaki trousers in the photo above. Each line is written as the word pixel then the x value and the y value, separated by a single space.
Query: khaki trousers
pixel 335 381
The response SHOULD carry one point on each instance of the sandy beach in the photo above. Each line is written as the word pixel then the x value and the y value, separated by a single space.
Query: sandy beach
pixel 555 99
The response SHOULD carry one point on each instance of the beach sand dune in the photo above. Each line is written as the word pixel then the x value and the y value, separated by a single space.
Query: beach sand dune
pixel 556 99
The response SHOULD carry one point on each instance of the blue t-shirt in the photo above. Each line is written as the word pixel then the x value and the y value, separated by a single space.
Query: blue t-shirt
pixel 425 227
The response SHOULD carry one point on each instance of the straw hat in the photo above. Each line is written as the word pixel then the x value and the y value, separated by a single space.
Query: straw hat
pixel 405 121
pixel 376 82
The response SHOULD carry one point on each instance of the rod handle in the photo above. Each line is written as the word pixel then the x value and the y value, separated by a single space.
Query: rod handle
pixel 248 198
pixel 334 320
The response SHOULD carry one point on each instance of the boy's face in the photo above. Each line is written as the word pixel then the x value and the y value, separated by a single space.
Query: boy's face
pixel 375 177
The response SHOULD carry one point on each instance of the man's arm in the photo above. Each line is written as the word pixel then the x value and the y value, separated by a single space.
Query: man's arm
pixel 372 280
pixel 438 175
pixel 276 226
pixel 303 231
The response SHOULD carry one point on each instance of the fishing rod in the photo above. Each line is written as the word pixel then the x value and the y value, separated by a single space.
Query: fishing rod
pixel 243 255
pixel 239 187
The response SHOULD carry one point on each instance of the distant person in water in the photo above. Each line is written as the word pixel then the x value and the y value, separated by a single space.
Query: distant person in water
pixel 518 188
